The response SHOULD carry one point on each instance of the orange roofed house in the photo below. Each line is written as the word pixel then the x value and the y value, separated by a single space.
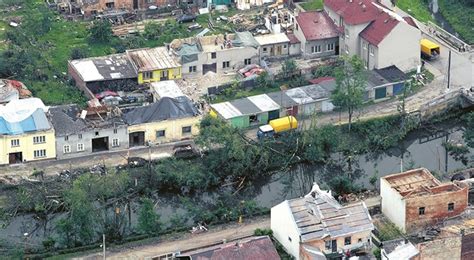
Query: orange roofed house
pixel 415 199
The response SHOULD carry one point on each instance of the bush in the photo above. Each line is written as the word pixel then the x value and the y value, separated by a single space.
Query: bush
pixel 100 32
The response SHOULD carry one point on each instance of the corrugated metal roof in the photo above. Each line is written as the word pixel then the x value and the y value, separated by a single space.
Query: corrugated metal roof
pixel 299 96
pixel 264 102
pixel 115 66
pixel 282 99
pixel 245 106
pixel 226 110
pixel 316 92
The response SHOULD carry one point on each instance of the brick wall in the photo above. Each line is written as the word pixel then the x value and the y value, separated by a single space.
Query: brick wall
pixel 436 208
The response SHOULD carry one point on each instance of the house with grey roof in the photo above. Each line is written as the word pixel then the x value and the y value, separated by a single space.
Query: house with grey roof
pixel 82 132
pixel 316 225
pixel 385 83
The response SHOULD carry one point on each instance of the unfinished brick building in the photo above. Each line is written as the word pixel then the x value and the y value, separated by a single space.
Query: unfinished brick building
pixel 415 199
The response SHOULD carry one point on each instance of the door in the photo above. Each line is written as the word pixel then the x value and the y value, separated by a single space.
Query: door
pixel 380 92
pixel 163 75
pixel 397 89
pixel 273 115
pixel 336 50
pixel 278 50
pixel 14 158
pixel 136 139
pixel 135 4
pixel 292 111
pixel 334 246
pixel 209 67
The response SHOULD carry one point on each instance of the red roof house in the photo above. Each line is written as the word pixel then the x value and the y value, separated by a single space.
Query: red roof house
pixel 316 25
pixel 354 11
pixel 379 29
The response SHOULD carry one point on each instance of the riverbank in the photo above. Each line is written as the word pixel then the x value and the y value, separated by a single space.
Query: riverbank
pixel 459 15
pixel 417 8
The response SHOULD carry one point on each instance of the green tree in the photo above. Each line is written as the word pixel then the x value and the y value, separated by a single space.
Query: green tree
pixel 469 132
pixel 263 80
pixel 289 68
pixel 148 219
pixel 100 32
pixel 78 53
pixel 350 86
pixel 153 31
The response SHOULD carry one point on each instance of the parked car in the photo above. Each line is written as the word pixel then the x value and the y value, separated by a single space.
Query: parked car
pixel 194 26
pixel 184 151
pixel 186 18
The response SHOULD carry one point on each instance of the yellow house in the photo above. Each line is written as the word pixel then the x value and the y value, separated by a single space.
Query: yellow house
pixel 169 119
pixel 155 64
pixel 25 132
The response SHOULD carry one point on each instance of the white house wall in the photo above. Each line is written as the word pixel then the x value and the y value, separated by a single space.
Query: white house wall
pixel 284 228
pixel 352 42
pixel 400 48
pixel 393 205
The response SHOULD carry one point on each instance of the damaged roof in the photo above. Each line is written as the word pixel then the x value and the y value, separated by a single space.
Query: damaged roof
pixel 111 67
pixel 165 109
pixel 318 215
pixel 152 59
pixel 246 249
pixel 316 25
pixel 23 115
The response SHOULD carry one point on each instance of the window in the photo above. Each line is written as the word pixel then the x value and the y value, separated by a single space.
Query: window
pixel 67 149
pixel 327 244
pixel 15 142
pixel 359 240
pixel 80 147
pixel 39 139
pixel 115 130
pixel 213 55
pixel 330 47
pixel 225 64
pixel 450 206
pixel 265 49
pixel 248 61
pixel 346 32
pixel 110 5
pixel 160 133
pixel 421 211
pixel 79 136
pixel 66 138
pixel 39 153
pixel 371 49
pixel 316 49
pixel 253 118
pixel 284 46
pixel 192 69
pixel 365 45
pixel 147 75
pixel 297 27
pixel 115 142
pixel 347 241
pixel 186 130
pixel 96 133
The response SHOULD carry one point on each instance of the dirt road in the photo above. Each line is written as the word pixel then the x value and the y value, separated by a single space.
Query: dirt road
pixel 189 241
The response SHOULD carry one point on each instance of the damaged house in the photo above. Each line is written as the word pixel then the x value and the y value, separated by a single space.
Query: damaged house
pixel 216 53
pixel 154 64
pixel 316 226
pixel 82 132
pixel 415 199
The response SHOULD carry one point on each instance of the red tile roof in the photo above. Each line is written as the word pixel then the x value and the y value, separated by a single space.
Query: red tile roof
pixel 410 21
pixel 254 248
pixel 321 79
pixel 293 39
pixel 316 25
pixel 379 29
pixel 354 11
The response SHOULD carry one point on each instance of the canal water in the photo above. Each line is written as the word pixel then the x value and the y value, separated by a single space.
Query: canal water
pixel 421 149
pixel 439 18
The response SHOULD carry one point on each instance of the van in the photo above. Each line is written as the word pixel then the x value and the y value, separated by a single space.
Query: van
pixel 429 49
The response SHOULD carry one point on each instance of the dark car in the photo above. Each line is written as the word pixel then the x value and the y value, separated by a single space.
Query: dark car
pixel 186 18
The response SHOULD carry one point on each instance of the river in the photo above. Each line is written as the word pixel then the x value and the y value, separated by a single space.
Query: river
pixel 422 149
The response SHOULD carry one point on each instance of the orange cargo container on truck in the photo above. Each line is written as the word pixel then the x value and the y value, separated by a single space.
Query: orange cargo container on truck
pixel 277 126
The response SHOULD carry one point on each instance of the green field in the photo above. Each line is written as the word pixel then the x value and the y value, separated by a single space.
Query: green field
pixel 417 8
pixel 312 5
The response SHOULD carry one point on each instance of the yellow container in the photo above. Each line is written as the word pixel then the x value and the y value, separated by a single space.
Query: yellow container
pixel 283 124
pixel 429 48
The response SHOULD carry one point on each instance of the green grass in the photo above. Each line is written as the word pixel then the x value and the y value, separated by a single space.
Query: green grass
pixel 460 16
pixel 312 5
pixel 417 8
pixel 244 93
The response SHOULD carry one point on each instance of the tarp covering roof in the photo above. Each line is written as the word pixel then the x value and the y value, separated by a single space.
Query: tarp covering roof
pixel 188 52
pixel 165 109
pixel 245 39
pixel 23 115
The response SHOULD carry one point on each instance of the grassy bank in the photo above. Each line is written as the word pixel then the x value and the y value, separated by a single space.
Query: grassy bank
pixel 417 8
pixel 312 5
pixel 460 16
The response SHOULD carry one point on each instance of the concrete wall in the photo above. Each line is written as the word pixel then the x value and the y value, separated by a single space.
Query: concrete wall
pixel 357 240
pixel 393 205
pixel 284 228
pixel 436 208
pixel 79 81
pixel 405 54
pixel 173 129
pixel 306 48
pixel 86 140
pixel 351 40
pixel 27 147
pixel 173 73
pixel 370 60
pixel 295 49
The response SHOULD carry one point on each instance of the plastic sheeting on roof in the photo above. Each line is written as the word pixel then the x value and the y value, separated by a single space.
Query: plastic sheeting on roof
pixel 36 121
pixel 244 39
pixel 19 109
pixel 188 52
pixel 165 108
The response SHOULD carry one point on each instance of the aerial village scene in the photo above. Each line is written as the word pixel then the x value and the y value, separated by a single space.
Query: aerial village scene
pixel 237 129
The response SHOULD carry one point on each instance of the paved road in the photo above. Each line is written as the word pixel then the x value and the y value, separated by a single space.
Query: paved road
pixel 190 241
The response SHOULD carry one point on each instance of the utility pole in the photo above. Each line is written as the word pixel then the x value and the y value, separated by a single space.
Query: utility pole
pixel 449 70
pixel 103 246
